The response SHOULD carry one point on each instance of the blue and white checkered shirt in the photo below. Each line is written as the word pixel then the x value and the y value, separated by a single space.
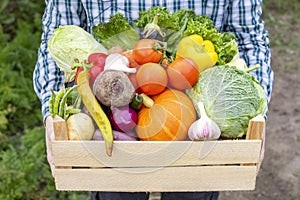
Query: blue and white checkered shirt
pixel 241 17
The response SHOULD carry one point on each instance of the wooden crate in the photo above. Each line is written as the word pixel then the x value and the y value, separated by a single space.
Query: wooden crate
pixel 158 166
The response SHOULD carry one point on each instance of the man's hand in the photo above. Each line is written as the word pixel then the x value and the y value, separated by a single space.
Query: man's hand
pixel 49 138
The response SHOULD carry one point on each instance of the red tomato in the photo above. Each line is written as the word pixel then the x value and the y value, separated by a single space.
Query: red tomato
pixel 98 60
pixel 132 78
pixel 182 73
pixel 151 78
pixel 129 56
pixel 147 51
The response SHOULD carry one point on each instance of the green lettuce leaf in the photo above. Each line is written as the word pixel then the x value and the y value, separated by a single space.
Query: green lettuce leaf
pixel 116 32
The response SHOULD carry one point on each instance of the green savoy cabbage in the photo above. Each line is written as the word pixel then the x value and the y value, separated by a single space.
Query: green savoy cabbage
pixel 231 98
pixel 70 44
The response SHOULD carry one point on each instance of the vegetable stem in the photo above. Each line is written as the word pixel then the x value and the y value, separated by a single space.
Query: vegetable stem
pixel 159 45
pixel 86 66
pixel 155 19
pixel 77 102
pixel 51 103
pixel 201 108
pixel 252 68
pixel 137 102
pixel 175 38
pixel 63 100
pixel 57 101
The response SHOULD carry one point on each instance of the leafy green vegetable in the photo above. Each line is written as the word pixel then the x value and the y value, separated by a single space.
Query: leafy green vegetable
pixel 165 18
pixel 22 134
pixel 171 23
pixel 231 97
pixel 116 32
pixel 70 44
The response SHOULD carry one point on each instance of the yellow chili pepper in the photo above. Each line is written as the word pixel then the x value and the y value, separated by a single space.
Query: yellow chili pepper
pixel 147 101
pixel 92 105
pixel 202 52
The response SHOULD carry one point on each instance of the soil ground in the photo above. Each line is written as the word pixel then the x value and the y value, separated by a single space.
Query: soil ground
pixel 279 177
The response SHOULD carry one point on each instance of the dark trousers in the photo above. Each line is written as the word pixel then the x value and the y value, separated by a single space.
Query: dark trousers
pixel 164 196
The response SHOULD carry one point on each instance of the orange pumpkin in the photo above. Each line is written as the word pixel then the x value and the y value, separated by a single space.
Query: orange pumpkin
pixel 168 119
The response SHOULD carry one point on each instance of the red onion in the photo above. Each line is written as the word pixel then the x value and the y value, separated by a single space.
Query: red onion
pixel 123 118
pixel 118 136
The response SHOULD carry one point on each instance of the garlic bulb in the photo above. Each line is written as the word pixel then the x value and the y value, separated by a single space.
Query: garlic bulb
pixel 116 61
pixel 204 128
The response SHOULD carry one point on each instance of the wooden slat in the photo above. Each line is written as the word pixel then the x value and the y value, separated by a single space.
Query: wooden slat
pixel 160 166
pixel 152 154
pixel 60 128
pixel 60 133
pixel 255 131
pixel 203 178
pixel 256 127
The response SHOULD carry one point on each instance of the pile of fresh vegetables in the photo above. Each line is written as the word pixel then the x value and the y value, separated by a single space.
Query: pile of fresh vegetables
pixel 169 76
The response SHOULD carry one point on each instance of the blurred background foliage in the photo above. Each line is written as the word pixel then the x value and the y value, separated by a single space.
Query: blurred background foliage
pixel 24 171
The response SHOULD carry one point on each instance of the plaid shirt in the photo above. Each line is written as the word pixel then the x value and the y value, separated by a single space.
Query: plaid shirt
pixel 241 17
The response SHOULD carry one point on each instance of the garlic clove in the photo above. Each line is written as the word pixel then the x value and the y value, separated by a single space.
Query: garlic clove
pixel 116 61
pixel 204 128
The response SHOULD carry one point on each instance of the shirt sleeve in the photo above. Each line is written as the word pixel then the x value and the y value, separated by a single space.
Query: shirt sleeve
pixel 46 75
pixel 244 20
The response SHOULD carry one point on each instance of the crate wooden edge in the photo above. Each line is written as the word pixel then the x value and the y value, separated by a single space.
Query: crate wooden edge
pixel 196 178
pixel 156 154
pixel 64 176
pixel 137 153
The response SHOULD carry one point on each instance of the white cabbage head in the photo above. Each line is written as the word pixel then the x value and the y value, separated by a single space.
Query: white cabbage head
pixel 231 98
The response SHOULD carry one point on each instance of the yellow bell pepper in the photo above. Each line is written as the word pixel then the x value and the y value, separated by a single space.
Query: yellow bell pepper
pixel 202 52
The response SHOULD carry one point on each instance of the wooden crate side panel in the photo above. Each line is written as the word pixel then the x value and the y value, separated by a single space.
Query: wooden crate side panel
pixel 256 131
pixel 200 178
pixel 153 154
pixel 256 127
